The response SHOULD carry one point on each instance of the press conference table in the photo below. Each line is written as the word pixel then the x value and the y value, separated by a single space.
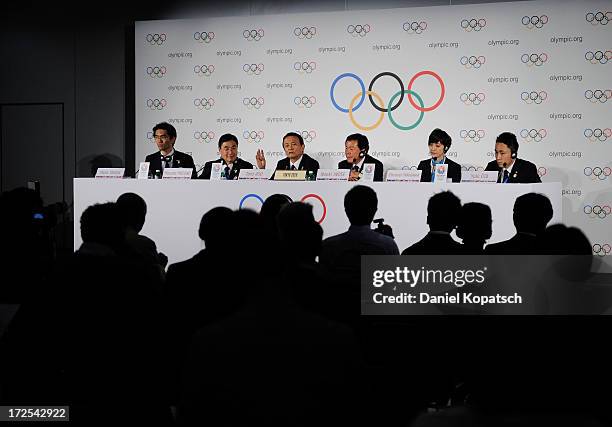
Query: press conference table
pixel 175 207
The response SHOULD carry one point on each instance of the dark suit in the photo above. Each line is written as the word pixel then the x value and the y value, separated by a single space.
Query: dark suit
pixel 378 166
pixel 179 160
pixel 523 171
pixel 454 170
pixel 238 165
pixel 433 244
pixel 307 163
pixel 519 244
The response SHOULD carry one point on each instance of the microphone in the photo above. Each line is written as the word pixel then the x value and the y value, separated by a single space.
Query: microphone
pixel 499 174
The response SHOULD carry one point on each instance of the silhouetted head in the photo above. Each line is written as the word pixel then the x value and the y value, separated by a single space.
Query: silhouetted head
pixel 102 224
pixel 532 212
pixel 559 239
pixel 133 210
pixel 272 206
pixel 360 205
pixel 474 223
pixel 443 211
pixel 300 234
pixel 214 227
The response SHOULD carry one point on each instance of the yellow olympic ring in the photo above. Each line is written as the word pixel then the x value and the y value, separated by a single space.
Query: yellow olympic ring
pixel 352 104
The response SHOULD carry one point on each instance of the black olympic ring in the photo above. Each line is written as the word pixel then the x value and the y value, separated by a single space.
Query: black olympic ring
pixel 156 71
pixel 358 30
pixel 534 21
pixel 472 98
pixel 253 136
pixel 534 97
pixel 530 135
pixel 534 59
pixel 204 36
pixel 204 70
pixel 253 102
pixel 472 61
pixel 204 136
pixel 472 135
pixel 602 250
pixel 253 35
pixel 251 69
pixel 307 67
pixel 598 134
pixel 598 56
pixel 473 24
pixel 308 136
pixel 598 95
pixel 415 27
pixel 599 18
pixel 305 32
pixel 305 101
pixel 204 103
pixel 157 39
pixel 156 104
pixel 401 97
pixel 472 168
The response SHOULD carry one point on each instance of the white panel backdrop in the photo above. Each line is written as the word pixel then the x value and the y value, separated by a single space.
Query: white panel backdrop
pixel 540 69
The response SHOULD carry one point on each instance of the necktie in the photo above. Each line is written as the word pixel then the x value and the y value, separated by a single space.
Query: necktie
pixel 355 168
pixel 293 167
pixel 227 172
pixel 506 176
pixel 166 160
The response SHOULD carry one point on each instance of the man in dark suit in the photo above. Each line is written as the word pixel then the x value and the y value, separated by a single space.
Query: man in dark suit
pixel 439 143
pixel 509 168
pixel 443 210
pixel 167 157
pixel 356 149
pixel 228 149
pixel 293 144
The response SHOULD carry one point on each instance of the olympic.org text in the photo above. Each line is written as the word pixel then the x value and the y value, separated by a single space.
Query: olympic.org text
pixel 229 53
pixel 499 43
pixel 341 49
pixel 279 85
pixel 495 80
pixel 385 153
pixel 330 154
pixel 229 120
pixel 565 78
pixel 407 276
pixel 556 154
pixel 179 88
pixel 564 116
pixel 279 119
pixel 436 45
pixel 386 47
pixel 229 87
pixel 571 192
pixel 502 117
pixel 188 121
pixel 180 55
pixel 286 51
pixel 566 39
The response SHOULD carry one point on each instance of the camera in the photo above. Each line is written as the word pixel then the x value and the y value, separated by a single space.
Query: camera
pixel 383 228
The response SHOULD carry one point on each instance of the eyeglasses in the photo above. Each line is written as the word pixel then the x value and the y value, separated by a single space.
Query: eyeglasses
pixel 162 137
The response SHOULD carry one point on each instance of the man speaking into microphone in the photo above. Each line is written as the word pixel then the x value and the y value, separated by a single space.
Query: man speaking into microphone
pixel 439 143
pixel 511 169
pixel 356 149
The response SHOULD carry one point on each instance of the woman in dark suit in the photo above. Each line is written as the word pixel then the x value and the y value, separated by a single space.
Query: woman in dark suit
pixel 439 143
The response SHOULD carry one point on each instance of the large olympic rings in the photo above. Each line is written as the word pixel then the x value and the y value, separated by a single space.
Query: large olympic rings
pixel 361 95
pixel 303 199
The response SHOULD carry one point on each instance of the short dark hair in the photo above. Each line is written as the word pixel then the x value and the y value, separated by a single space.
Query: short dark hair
pixel 101 223
pixel 438 135
pixel 362 141
pixel 360 205
pixel 213 225
pixel 443 211
pixel 532 212
pixel 296 135
pixel 171 130
pixel 133 210
pixel 227 137
pixel 509 139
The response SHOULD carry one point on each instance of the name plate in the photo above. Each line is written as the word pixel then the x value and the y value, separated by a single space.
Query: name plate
pixel 333 174
pixel 177 173
pixel 483 176
pixel 290 175
pixel 255 174
pixel 143 170
pixel 404 175
pixel 116 173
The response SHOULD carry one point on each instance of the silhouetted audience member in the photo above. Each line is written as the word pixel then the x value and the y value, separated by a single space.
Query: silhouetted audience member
pixel 443 210
pixel 474 227
pixel 531 214
pixel 269 212
pixel 299 233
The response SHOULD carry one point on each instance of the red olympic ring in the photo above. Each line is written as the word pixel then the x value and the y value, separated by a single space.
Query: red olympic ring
pixel 320 199
pixel 437 104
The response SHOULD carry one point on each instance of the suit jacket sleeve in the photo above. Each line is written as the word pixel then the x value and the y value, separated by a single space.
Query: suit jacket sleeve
pixel 492 166
pixel 207 168
pixel 378 170
pixel 425 168
pixel 454 171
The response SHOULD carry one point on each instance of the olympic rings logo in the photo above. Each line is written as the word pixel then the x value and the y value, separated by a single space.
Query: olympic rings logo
pixel 253 35
pixel 534 97
pixel 305 101
pixel 472 135
pixel 305 32
pixel 204 70
pixel 156 39
pixel 204 136
pixel 409 168
pixel 598 134
pixel 542 171
pixel 391 105
pixel 303 200
pixel 253 69
pixel 597 172
pixel 156 71
pixel 534 21
pixel 204 36
pixel 598 18
pixel 473 24
pixel 204 103
pixel 597 211
pixel 253 102
pixel 308 136
pixel 156 104
pixel 533 135
pixel 472 61
pixel 598 56
pixel 305 67
pixel 414 27
pixel 532 59
pixel 472 98
pixel 253 136
pixel 602 250
pixel 358 30
pixel 468 168
pixel 598 95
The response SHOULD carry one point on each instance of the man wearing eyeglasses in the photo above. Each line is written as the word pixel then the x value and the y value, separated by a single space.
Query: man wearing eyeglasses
pixel 164 135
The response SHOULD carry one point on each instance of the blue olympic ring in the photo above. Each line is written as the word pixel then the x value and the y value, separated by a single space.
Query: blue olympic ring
pixel 248 196
pixel 333 86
